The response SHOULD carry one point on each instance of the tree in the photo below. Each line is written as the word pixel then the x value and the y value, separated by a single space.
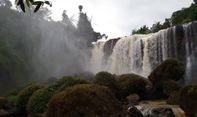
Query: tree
pixel 142 30
pixel 156 27
pixel 84 29
pixel 166 24
pixel 29 3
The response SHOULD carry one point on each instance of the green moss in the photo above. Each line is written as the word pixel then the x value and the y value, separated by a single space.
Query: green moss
pixel 107 79
pixel 170 86
pixel 39 100
pixel 132 84
pixel 3 102
pixel 188 100
pixel 170 69
pixel 12 99
pixel 174 98
pixel 24 96
pixel 65 82
pixel 84 101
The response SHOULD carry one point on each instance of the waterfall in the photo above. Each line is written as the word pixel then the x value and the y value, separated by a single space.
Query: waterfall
pixel 141 54
pixel 96 63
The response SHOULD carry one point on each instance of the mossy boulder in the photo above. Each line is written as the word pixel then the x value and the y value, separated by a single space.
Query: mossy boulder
pixel 174 98
pixel 188 100
pixel 133 99
pixel 3 102
pixel 169 70
pixel 24 96
pixel 133 84
pixel 170 86
pixel 38 102
pixel 66 81
pixel 108 80
pixel 86 100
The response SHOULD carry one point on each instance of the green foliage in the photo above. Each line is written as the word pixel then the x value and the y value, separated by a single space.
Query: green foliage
pixel 24 96
pixel 85 32
pixel 15 91
pixel 12 99
pixel 171 69
pixel 84 101
pixel 132 84
pixel 3 102
pixel 65 82
pixel 174 98
pixel 170 86
pixel 185 15
pixel 182 16
pixel 156 27
pixel 38 102
pixel 142 30
pixel 37 4
pixel 107 79
pixel 188 100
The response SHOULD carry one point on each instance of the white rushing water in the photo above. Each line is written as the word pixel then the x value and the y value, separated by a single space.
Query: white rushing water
pixel 141 54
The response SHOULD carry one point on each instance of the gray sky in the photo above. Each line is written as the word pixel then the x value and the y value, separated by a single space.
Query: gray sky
pixel 119 17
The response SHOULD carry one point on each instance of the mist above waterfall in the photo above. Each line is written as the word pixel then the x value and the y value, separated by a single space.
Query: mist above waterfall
pixel 35 48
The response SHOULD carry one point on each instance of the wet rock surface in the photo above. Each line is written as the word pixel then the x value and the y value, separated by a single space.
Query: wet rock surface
pixel 158 112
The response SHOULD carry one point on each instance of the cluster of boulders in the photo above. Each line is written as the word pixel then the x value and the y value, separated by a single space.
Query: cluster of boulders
pixel 104 95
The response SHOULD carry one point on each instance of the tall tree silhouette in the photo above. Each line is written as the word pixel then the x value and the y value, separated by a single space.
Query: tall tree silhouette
pixel 85 30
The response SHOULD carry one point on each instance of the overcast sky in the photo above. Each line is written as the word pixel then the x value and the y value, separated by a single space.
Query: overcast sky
pixel 119 17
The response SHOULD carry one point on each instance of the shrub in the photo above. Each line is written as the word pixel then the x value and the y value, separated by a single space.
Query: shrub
pixel 65 82
pixel 170 69
pixel 15 91
pixel 39 100
pixel 3 102
pixel 24 96
pixel 132 84
pixel 188 100
pixel 170 86
pixel 106 79
pixel 11 100
pixel 174 98
pixel 84 100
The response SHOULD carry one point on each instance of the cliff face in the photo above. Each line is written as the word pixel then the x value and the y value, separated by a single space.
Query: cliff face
pixel 142 53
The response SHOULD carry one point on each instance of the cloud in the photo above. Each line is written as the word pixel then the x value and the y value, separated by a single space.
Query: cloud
pixel 119 17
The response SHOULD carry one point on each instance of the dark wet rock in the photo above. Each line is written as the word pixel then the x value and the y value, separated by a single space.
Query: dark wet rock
pixel 134 112
pixel 158 112
pixel 133 99
pixel 109 45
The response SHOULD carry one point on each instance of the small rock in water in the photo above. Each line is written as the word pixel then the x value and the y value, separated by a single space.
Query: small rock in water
pixel 134 112
pixel 158 112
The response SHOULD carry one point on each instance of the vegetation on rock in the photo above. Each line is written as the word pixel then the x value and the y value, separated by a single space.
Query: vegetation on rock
pixel 65 82
pixel 182 16
pixel 24 95
pixel 132 84
pixel 187 100
pixel 107 79
pixel 38 102
pixel 3 102
pixel 84 101
pixel 170 86
pixel 171 69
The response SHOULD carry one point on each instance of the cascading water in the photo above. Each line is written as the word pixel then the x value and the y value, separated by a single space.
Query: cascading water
pixel 141 54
